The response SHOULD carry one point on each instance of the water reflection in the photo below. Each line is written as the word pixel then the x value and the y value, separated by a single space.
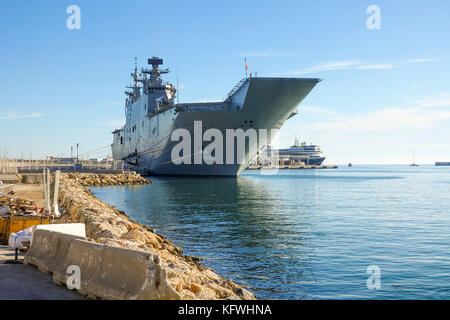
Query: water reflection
pixel 307 234
pixel 244 227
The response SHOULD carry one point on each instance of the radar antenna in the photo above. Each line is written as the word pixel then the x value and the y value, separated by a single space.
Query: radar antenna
pixel 155 72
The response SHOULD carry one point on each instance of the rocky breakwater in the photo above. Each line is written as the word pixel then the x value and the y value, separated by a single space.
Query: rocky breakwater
pixel 97 180
pixel 105 224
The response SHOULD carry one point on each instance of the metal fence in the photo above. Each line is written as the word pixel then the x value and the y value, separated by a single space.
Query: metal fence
pixel 15 166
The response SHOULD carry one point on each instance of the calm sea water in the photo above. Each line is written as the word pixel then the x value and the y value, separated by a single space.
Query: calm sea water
pixel 309 234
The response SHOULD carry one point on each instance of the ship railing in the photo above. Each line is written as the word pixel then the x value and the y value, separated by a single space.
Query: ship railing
pixel 236 88
pixel 202 106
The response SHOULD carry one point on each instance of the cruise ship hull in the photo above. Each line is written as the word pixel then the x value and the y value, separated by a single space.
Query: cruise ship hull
pixel 261 103
pixel 317 161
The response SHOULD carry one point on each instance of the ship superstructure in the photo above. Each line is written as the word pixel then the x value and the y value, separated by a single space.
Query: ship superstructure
pixel 309 154
pixel 146 143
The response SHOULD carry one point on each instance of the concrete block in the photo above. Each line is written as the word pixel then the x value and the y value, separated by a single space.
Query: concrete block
pixel 6 188
pixel 12 170
pixel 87 256
pixel 33 178
pixel 131 274
pixel 9 178
pixel 116 273
pixel 48 249
pixel 106 272
pixel 76 229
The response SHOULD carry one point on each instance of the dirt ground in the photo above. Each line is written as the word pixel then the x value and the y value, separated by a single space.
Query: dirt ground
pixel 30 192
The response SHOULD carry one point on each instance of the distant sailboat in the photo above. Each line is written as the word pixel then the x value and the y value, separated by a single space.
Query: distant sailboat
pixel 413 164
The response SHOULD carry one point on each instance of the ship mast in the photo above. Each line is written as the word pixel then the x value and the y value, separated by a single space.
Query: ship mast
pixel 135 75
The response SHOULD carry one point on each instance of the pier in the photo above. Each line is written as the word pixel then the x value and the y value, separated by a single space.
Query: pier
pixel 115 242
pixel 15 166
pixel 291 166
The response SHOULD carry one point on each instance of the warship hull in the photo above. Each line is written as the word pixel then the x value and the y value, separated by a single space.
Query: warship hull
pixel 259 103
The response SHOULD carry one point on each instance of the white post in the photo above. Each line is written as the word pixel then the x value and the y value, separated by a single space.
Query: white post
pixel 47 202
pixel 55 194
pixel 45 186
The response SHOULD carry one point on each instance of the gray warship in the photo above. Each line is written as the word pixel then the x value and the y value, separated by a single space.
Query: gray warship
pixel 144 143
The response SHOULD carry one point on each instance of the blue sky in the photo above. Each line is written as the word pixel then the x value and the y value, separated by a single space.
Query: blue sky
pixel 385 92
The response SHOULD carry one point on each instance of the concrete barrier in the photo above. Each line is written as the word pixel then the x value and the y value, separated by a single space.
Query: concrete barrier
pixel 48 249
pixel 106 272
pixel 5 188
pixel 33 178
pixel 116 273
pixel 88 257
pixel 9 178
pixel 76 229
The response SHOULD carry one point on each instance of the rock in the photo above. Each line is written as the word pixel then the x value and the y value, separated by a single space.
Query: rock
pixel 104 234
pixel 92 179
pixel 134 235
pixel 195 288
pixel 179 286
pixel 220 292
pixel 153 242
pixel 105 224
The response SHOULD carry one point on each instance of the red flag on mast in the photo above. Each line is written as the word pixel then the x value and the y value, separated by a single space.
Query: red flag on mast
pixel 246 68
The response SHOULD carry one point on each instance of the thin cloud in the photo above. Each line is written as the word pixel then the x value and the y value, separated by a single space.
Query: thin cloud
pixel 317 110
pixel 420 115
pixel 337 65
pixel 441 101
pixel 354 64
pixel 376 66
pixel 13 115
pixel 420 60
pixel 331 66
